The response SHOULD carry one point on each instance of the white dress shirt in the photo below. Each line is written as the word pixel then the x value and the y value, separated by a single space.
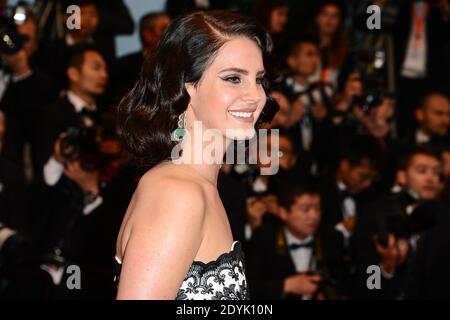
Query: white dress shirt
pixel 302 257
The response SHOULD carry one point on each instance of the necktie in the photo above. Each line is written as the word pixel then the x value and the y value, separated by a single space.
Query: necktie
pixel 295 246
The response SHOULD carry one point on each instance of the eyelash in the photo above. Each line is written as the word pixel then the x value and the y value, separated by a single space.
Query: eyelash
pixel 232 79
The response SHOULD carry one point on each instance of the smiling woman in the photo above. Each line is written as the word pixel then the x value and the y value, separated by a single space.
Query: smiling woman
pixel 175 240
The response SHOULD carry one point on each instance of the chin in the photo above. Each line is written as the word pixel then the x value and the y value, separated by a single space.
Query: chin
pixel 240 133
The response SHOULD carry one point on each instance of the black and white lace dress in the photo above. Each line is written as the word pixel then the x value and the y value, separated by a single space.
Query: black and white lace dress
pixel 221 279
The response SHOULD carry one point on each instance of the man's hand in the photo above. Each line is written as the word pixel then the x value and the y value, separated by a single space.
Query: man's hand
pixel 302 284
pixel 86 180
pixel 255 210
pixel 349 223
pixel 271 203
pixel 393 255
pixel 18 62
pixel 57 148
pixel 297 112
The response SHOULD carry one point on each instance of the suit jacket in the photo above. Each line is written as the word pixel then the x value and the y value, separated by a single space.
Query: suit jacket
pixel 269 261
pixel 12 192
pixel 23 104
pixel 387 215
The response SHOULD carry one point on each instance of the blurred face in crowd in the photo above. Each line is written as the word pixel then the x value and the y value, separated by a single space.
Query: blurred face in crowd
pixel 422 175
pixel 303 217
pixel 150 36
pixel 282 116
pixel 357 178
pixel 91 77
pixel 305 60
pixel 89 22
pixel 30 30
pixel 286 155
pixel 328 19
pixel 434 116
pixel 278 19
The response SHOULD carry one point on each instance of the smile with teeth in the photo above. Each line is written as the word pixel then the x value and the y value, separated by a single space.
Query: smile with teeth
pixel 241 114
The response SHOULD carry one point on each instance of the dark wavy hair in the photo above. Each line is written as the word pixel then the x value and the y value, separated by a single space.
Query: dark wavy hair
pixel 148 114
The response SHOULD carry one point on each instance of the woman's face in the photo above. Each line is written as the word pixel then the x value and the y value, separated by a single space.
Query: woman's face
pixel 230 96
pixel 328 19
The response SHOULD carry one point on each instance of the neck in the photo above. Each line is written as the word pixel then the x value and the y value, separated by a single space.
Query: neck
pixel 89 99
pixel 204 157
pixel 298 235
pixel 301 79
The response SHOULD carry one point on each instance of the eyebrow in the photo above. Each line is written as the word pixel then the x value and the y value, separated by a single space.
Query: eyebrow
pixel 242 71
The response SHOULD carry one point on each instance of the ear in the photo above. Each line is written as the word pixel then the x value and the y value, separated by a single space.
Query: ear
pixel 419 115
pixel 147 36
pixel 291 61
pixel 282 213
pixel 344 165
pixel 401 177
pixel 73 74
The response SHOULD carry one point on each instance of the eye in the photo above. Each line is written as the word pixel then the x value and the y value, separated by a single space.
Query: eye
pixel 232 79
pixel 262 81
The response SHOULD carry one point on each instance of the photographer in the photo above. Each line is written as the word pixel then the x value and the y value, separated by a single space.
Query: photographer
pixel 26 90
pixel 308 123
pixel 288 259
pixel 87 80
pixel 389 230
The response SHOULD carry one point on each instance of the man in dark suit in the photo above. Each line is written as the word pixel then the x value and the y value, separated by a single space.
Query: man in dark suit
pixel 88 77
pixel 433 122
pixel 127 68
pixel 388 234
pixel 25 90
pixel 288 258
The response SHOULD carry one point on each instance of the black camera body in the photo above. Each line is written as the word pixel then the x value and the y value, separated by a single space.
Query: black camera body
pixel 11 41
pixel 81 144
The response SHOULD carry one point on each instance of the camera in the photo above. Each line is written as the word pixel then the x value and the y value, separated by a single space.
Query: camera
pixel 369 100
pixel 317 93
pixel 11 41
pixel 82 144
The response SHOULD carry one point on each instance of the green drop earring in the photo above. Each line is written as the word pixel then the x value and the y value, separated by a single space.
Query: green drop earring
pixel 179 133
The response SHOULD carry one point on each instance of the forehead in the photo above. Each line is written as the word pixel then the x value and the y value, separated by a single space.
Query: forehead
pixel 424 160
pixel 307 198
pixel 438 102
pixel 93 57
pixel 241 53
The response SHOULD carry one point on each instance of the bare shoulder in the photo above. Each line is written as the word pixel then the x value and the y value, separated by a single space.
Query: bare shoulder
pixel 165 233
pixel 162 188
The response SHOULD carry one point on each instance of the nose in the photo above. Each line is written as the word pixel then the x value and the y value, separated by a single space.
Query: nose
pixel 253 93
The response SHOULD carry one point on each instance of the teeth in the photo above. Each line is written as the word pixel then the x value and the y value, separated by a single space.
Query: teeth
pixel 241 114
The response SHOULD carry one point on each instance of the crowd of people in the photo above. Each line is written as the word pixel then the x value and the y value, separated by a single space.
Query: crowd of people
pixel 364 151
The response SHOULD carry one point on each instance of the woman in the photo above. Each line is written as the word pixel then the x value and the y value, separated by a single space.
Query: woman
pixel 328 26
pixel 175 239
pixel 273 16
